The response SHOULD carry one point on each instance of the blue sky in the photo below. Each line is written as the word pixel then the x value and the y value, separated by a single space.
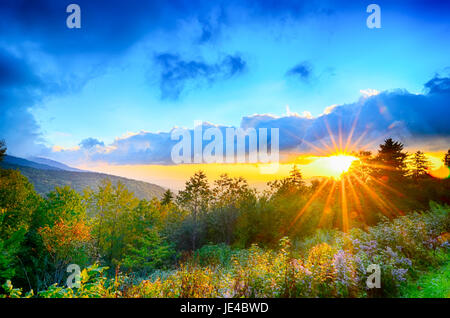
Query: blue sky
pixel 149 66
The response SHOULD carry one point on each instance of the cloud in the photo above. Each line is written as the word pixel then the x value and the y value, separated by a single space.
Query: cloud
pixel 369 92
pixel 419 120
pixel 88 143
pixel 438 85
pixel 302 71
pixel 177 74
pixel 20 87
pixel 40 57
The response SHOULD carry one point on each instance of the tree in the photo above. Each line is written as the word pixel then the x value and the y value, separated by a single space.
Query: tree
pixel 2 149
pixel 113 210
pixel 167 197
pixel 391 159
pixel 19 201
pixel 419 165
pixel 195 198
pixel 228 196
pixel 58 236
pixel 9 249
pixel 61 204
pixel 148 252
pixel 67 242
pixel 447 158
pixel 362 167
pixel 293 184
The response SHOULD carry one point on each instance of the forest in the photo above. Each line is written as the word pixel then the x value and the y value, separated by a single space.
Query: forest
pixel 223 238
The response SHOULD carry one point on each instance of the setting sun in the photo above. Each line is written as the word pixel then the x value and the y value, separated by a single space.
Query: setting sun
pixel 339 164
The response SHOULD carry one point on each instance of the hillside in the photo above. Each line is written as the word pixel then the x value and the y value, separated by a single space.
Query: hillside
pixel 11 160
pixel 53 163
pixel 45 178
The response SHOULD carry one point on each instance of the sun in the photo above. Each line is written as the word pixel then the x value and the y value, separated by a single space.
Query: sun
pixel 339 163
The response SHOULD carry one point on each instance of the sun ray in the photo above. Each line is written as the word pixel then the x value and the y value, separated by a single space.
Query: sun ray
pixel 330 150
pixel 384 167
pixel 344 207
pixel 355 197
pixel 387 187
pixel 375 198
pixel 326 208
pixel 308 203
pixel 331 136
pixel 360 138
pixel 352 130
pixel 315 147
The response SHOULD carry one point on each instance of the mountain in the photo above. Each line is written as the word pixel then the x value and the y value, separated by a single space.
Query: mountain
pixel 46 177
pixel 11 160
pixel 53 163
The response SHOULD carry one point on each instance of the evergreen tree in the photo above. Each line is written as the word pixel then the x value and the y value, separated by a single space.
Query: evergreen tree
pixel 419 164
pixel 167 197
pixel 195 198
pixel 447 158
pixel 294 183
pixel 391 159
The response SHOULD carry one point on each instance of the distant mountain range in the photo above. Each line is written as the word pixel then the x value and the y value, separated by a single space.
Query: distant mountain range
pixel 54 164
pixel 46 174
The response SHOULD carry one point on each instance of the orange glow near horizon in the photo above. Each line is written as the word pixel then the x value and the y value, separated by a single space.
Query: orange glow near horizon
pixel 311 166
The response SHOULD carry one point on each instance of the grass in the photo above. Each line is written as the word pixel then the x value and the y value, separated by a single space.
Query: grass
pixel 434 284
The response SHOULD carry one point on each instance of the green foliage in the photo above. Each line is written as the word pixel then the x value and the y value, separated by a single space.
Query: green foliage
pixel 18 200
pixel 9 250
pixel 11 292
pixel 148 253
pixel 432 284
pixel 93 284
pixel 195 198
pixel 224 239
pixel 2 149
pixel 216 255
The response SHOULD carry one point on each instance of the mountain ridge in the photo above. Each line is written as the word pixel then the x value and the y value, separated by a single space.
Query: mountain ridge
pixel 45 178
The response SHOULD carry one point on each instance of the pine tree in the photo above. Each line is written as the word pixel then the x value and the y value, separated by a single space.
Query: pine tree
pixel 391 159
pixel 167 197
pixel 419 164
pixel 296 178
pixel 447 158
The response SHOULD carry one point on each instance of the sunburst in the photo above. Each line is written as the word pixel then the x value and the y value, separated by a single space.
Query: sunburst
pixel 340 157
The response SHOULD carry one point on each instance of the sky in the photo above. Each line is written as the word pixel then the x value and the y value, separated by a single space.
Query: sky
pixel 107 96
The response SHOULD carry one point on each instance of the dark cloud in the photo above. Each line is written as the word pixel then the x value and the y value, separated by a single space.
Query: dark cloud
pixel 177 74
pixel 20 88
pixel 88 143
pixel 15 72
pixel 438 85
pixel 211 24
pixel 106 26
pixel 303 71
